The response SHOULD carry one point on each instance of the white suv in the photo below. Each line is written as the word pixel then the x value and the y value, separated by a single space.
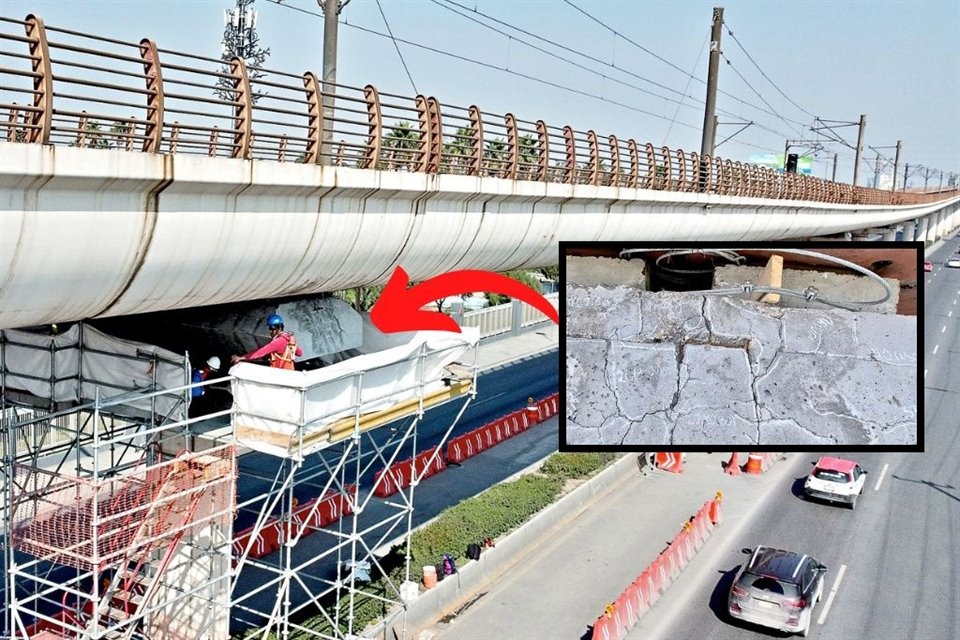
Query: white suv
pixel 837 480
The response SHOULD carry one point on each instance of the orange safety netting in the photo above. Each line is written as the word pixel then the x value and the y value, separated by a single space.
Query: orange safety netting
pixel 84 523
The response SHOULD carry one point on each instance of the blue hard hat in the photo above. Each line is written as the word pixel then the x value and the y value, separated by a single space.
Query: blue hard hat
pixel 274 320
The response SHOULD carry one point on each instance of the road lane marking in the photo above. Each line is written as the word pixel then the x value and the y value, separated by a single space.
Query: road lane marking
pixel 944 330
pixel 833 593
pixel 925 373
pixel 883 472
pixel 935 347
pixel 950 315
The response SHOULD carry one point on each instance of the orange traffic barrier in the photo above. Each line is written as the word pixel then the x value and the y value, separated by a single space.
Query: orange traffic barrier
pixel 733 465
pixel 533 411
pixel 754 464
pixel 429 577
pixel 672 462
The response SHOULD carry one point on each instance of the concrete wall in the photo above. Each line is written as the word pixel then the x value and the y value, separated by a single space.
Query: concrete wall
pixel 91 232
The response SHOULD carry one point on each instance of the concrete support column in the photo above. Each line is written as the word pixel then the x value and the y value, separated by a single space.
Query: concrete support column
pixel 909 230
pixel 922 229
pixel 932 221
pixel 889 235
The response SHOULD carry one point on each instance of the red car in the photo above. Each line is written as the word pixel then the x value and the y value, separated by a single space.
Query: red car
pixel 928 266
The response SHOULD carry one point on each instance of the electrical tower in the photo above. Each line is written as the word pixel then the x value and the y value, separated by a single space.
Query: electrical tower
pixel 240 40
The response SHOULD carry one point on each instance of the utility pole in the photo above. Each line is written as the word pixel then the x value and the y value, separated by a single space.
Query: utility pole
pixel 331 12
pixel 876 171
pixel 906 172
pixel 834 178
pixel 856 162
pixel 896 166
pixel 709 121
pixel 941 180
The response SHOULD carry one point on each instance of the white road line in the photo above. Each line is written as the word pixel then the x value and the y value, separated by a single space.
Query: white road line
pixel 925 373
pixel 883 472
pixel 950 315
pixel 833 593
pixel 944 330
pixel 935 347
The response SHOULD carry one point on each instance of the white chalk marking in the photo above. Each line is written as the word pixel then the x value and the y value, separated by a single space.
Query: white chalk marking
pixel 833 593
pixel 883 472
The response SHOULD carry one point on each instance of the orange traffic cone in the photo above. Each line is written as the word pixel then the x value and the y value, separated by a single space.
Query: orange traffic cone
pixel 714 511
pixel 733 465
pixel 677 466
pixel 754 464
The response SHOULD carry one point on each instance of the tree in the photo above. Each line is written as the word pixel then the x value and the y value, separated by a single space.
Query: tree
pixel 361 298
pixel 495 155
pixel 401 144
pixel 240 39
pixel 524 277
pixel 553 273
pixel 459 149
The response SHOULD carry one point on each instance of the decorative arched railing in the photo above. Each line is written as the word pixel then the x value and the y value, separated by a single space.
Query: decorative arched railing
pixel 70 88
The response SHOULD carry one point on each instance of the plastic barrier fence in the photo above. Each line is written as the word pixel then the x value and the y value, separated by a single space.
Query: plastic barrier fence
pixel 623 613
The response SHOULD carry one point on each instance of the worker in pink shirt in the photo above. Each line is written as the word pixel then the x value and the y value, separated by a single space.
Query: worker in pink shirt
pixel 281 349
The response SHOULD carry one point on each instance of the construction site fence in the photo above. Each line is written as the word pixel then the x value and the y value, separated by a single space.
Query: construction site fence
pixel 65 87
pixel 502 318
pixel 620 616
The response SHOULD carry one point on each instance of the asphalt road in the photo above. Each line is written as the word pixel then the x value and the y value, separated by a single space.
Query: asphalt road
pixel 899 552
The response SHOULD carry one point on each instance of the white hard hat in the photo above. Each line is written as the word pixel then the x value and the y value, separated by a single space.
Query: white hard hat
pixel 214 363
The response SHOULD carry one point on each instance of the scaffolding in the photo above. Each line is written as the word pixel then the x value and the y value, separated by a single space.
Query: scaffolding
pixel 319 526
pixel 123 518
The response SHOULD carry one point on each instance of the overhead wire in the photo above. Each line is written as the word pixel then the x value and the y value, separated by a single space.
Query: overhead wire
pixel 397 47
pixel 513 72
pixel 677 110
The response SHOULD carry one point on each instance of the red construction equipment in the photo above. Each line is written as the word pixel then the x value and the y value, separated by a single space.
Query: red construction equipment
pixel 754 464
pixel 733 465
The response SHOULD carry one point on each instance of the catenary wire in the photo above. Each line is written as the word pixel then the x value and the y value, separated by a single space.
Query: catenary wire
pixel 397 47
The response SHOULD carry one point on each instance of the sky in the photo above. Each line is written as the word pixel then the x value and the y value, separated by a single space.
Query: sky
pixel 897 63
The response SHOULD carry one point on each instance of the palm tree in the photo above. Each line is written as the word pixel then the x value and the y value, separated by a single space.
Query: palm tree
pixel 457 152
pixel 495 156
pixel 402 143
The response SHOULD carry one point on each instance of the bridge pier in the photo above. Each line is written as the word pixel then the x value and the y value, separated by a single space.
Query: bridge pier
pixel 890 235
pixel 909 230
pixel 922 229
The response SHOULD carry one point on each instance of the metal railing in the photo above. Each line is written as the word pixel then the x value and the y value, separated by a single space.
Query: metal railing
pixel 502 318
pixel 64 87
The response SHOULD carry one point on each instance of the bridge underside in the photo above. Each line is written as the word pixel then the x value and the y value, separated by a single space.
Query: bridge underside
pixel 77 241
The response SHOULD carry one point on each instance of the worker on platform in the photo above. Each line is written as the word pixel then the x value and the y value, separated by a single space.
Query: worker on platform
pixel 281 349
pixel 203 373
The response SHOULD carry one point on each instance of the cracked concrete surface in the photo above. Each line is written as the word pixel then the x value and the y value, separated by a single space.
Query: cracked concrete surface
pixel 679 368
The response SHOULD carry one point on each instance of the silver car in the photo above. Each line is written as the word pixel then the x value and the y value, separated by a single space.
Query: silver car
pixel 777 589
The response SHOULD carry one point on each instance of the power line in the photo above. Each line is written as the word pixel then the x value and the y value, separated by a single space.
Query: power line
pixel 397 47
pixel 515 73
pixel 677 110
pixel 764 74
pixel 562 47
pixel 759 95
pixel 672 65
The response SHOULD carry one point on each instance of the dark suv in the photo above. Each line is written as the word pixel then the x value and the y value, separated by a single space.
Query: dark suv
pixel 777 589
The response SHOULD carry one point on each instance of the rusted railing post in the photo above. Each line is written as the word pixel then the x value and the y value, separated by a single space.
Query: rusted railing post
pixel 424 144
pixel 41 118
pixel 315 123
pixel 681 169
pixel 594 158
pixel 720 175
pixel 371 157
pixel 81 140
pixel 153 74
pixel 513 147
pixel 652 169
pixel 436 135
pixel 12 131
pixel 634 164
pixel 243 111
pixel 174 137
pixel 475 166
pixel 615 160
pixel 214 142
pixel 570 148
pixel 668 166
pixel 543 152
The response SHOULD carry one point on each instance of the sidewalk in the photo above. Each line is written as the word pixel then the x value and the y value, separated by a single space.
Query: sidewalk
pixel 559 587
pixel 497 351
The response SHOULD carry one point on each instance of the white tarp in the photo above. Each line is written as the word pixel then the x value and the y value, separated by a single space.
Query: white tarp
pixel 82 359
pixel 277 403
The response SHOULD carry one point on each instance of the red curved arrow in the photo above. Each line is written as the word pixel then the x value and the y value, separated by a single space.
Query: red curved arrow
pixel 398 308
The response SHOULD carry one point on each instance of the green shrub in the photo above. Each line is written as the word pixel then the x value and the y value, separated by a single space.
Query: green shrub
pixel 576 465
pixel 493 513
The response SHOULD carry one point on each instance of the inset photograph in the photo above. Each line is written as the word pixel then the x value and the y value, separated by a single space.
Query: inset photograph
pixel 811 345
